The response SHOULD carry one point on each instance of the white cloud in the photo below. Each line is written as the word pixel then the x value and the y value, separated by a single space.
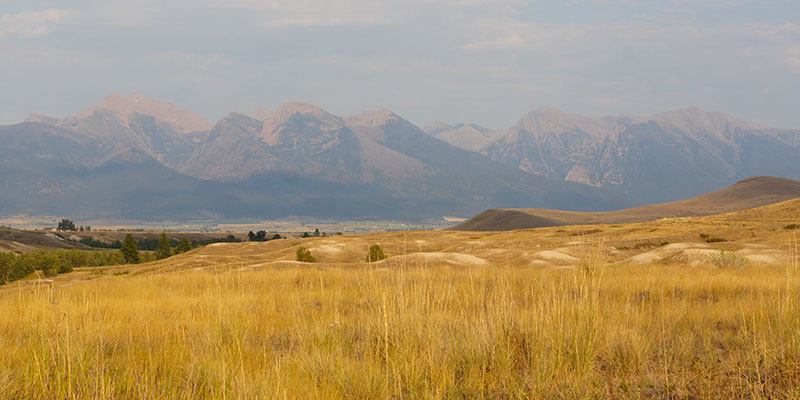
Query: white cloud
pixel 30 24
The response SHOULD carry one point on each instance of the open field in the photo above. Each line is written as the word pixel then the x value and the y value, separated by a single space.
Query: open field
pixel 601 311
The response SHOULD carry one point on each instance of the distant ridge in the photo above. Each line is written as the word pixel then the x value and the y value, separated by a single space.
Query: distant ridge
pixel 747 193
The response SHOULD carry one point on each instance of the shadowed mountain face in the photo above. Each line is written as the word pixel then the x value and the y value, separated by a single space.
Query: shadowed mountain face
pixel 138 158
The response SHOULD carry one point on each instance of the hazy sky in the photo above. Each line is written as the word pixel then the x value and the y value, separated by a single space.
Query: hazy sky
pixel 484 61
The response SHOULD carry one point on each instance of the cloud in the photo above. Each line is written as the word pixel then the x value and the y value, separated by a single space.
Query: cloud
pixel 30 24
pixel 508 42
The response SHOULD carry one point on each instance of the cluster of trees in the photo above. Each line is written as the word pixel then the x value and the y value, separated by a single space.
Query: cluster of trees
pixel 315 234
pixel 53 262
pixel 67 225
pixel 163 249
pixel 261 236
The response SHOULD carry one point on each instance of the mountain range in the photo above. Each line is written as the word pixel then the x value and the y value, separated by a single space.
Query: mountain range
pixel 663 157
pixel 133 157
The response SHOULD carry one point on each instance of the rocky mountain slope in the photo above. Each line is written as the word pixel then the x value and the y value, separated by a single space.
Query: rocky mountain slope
pixel 134 157
pixel 658 158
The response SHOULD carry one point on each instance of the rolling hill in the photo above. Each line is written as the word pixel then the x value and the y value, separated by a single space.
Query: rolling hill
pixel 747 193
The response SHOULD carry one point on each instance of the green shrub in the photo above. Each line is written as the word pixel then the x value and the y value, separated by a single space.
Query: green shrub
pixel 375 253
pixel 704 236
pixel 790 226
pixel 716 240
pixel 729 259
pixel 304 255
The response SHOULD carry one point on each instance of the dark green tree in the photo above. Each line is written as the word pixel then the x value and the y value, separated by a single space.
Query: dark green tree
pixel 129 250
pixel 164 250
pixel 375 253
pixel 316 232
pixel 304 255
pixel 183 246
pixel 251 236
pixel 66 225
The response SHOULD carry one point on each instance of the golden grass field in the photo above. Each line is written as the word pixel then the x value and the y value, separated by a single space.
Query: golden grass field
pixel 602 311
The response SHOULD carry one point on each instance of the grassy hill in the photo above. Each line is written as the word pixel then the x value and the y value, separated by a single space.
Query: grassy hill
pixel 747 193
pixel 639 310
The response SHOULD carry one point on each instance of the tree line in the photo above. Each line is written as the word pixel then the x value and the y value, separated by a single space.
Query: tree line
pixel 151 244
pixel 53 262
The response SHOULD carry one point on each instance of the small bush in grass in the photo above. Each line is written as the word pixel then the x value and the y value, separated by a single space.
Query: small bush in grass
pixel 304 255
pixel 704 236
pixel 790 226
pixel 729 259
pixel 375 253
pixel 716 240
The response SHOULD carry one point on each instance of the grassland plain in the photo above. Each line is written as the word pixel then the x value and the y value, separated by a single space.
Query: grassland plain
pixel 606 311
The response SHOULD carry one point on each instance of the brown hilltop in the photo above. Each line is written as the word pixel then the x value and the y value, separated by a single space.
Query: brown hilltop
pixel 747 193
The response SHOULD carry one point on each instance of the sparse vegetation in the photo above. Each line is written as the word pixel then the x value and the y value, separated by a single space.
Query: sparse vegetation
pixel 790 226
pixel 375 253
pixel 729 259
pixel 304 255
pixel 716 240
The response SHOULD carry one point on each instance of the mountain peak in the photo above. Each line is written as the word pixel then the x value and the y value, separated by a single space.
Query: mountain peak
pixel 694 119
pixel 124 107
pixel 42 119
pixel 436 127
pixel 549 120
pixel 261 113
pixel 288 109
pixel 372 118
